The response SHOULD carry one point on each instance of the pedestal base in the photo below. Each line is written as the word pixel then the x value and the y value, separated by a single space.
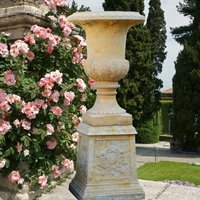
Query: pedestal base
pixel 106 167
pixel 96 192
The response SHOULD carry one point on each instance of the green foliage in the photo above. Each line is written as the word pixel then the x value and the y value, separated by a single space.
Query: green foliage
pixel 166 107
pixel 165 170
pixel 186 90
pixel 148 133
pixel 124 5
pixel 39 86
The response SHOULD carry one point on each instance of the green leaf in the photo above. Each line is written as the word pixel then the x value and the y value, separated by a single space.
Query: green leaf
pixel 26 142
pixel 7 164
pixel 9 152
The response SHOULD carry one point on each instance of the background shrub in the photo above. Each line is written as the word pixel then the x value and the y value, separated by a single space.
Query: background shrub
pixel 148 133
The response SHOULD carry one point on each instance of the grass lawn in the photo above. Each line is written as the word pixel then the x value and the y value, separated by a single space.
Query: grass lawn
pixel 165 170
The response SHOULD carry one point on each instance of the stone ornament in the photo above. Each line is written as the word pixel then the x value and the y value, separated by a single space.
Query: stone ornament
pixel 106 63
pixel 106 168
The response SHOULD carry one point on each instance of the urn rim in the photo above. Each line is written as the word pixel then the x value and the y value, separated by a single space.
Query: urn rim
pixel 107 16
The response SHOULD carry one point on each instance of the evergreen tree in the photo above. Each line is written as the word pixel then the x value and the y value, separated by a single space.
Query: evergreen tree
pixel 124 5
pixel 186 79
pixel 136 93
pixel 183 33
pixel 157 28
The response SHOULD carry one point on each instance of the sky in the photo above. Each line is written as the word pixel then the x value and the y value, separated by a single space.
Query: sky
pixel 173 19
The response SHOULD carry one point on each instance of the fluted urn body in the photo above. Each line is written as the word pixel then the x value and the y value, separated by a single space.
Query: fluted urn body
pixel 106 167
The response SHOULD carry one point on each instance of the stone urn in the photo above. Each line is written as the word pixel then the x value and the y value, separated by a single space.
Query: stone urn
pixel 106 168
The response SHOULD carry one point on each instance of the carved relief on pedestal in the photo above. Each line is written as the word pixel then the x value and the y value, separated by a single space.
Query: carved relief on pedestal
pixel 111 158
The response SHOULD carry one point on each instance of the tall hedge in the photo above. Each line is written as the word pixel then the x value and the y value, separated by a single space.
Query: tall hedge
pixel 166 108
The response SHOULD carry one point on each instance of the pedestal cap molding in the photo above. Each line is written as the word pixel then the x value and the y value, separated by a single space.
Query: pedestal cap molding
pixel 106 130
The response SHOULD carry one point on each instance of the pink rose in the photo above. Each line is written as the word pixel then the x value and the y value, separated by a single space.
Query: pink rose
pixel 17 123
pixel 2 163
pixel 9 78
pixel 66 26
pixel 4 127
pixel 50 129
pixel 76 120
pixel 81 40
pixel 54 40
pixel 91 82
pixel 14 51
pixel 46 93
pixel 19 47
pixel 56 171
pixel 56 110
pixel 67 165
pixel 12 98
pixel 3 95
pixel 40 103
pixel 42 180
pixel 69 96
pixel 41 32
pixel 77 57
pixel 55 3
pixel 55 96
pixel 75 137
pixel 51 144
pixel 46 82
pixel 4 50
pixel 83 109
pixel 19 147
pixel 30 109
pixel 80 85
pixel 31 56
pixel 26 125
pixel 4 106
pixel 56 76
pixel 14 176
pixel 49 49
pixel 29 39
pixel 20 181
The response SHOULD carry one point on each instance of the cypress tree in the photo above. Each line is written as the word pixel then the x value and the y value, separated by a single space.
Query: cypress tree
pixel 183 33
pixel 136 93
pixel 186 79
pixel 157 28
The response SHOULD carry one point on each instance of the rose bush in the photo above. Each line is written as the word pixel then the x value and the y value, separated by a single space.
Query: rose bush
pixel 42 95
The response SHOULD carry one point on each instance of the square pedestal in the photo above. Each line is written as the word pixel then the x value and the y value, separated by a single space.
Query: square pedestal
pixel 106 167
